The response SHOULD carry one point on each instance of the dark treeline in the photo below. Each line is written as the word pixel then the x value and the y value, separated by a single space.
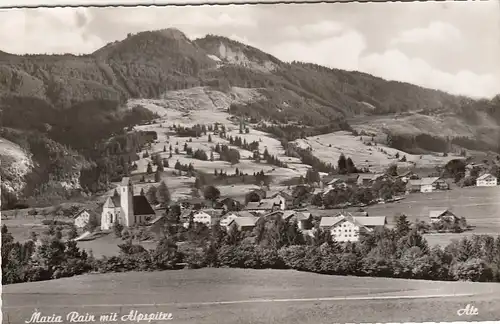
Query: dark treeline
pixel 274 243
pixel 410 143
pixel 76 138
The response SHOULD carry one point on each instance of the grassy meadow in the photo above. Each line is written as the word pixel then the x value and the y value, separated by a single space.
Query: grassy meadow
pixel 208 296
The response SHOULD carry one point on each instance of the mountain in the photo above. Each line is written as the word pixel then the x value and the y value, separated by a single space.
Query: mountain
pixel 55 106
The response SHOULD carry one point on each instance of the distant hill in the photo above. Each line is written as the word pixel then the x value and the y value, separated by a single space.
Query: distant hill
pixel 78 101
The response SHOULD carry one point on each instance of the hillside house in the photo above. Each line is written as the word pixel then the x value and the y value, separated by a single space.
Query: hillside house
pixel 244 223
pixel 442 215
pixel 368 179
pixel 286 199
pixel 487 180
pixel 427 185
pixel 347 228
pixel 81 218
pixel 126 208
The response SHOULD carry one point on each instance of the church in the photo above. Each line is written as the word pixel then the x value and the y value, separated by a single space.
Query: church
pixel 125 208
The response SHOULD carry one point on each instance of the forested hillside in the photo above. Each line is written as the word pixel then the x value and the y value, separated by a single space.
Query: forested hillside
pixel 70 104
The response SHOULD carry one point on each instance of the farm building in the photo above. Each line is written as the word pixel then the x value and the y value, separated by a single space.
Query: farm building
pixel 82 218
pixel 303 219
pixel 407 176
pixel 487 180
pixel 125 208
pixel 244 223
pixel 439 215
pixel 228 218
pixel 427 185
pixel 267 205
pixel 368 179
pixel 346 228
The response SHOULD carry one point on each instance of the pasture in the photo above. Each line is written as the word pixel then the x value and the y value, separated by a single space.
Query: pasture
pixel 207 296
pixel 479 205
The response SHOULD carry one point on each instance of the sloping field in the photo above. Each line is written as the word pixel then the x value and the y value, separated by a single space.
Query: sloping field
pixel 202 105
pixel 440 125
pixel 253 296
pixel 328 148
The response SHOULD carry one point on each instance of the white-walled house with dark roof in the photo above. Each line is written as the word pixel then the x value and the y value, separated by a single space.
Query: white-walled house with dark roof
pixel 346 228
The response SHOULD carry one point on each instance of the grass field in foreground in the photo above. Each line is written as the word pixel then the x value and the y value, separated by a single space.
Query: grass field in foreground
pixel 257 296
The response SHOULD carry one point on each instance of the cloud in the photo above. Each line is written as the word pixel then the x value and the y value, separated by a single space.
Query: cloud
pixel 320 29
pixel 340 52
pixel 394 65
pixel 436 32
pixel 58 30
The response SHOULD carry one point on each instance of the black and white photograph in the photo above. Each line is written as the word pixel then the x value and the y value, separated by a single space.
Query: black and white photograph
pixel 304 163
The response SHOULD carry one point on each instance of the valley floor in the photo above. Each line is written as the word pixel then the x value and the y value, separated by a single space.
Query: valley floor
pixel 253 296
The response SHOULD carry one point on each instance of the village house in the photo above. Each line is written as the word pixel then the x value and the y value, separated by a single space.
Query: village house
pixel 244 223
pixel 126 208
pixel 228 204
pixel 368 179
pixel 442 215
pixel 472 169
pixel 81 218
pixel 347 228
pixel 407 176
pixel 228 218
pixel 487 180
pixel 208 217
pixel 427 185
pixel 303 219
pixel 267 205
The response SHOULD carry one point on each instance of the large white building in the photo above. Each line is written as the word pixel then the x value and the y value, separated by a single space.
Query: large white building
pixel 125 208
pixel 487 180
pixel 346 228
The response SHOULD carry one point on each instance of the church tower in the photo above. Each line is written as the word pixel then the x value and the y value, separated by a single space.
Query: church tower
pixel 127 202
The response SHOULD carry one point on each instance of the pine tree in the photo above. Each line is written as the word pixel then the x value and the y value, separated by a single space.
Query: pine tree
pixel 151 195
pixel 209 138
pixel 157 176
pixel 342 164
pixel 163 194
pixel 403 225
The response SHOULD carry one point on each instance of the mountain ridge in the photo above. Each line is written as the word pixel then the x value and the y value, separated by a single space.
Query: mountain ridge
pixel 36 91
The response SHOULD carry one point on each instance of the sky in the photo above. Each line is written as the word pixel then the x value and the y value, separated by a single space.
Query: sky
pixel 450 46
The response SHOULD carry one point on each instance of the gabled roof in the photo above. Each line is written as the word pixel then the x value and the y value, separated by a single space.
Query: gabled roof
pixel 112 201
pixel 142 206
pixel 244 221
pixel 486 176
pixel 264 204
pixel 439 213
pixel 76 215
pixel 428 181
pixel 359 221
pixel 244 213
pixel 210 211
